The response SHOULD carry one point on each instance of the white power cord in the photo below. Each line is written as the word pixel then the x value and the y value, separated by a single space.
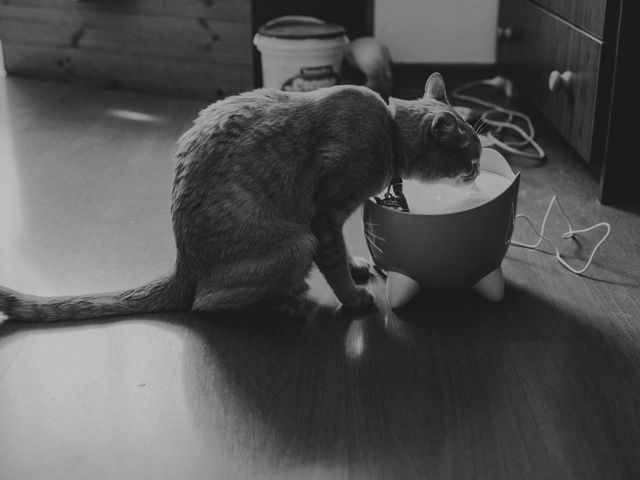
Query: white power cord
pixel 506 119
pixel 569 234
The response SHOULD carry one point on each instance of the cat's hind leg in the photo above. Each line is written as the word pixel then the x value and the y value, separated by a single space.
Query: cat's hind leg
pixel 276 278
pixel 292 302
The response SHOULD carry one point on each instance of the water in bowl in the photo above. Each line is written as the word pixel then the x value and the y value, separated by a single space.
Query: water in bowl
pixel 449 197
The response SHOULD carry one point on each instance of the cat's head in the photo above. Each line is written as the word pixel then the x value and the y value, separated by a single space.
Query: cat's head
pixel 447 146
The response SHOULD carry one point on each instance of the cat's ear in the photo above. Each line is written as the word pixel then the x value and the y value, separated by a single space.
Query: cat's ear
pixel 434 88
pixel 444 127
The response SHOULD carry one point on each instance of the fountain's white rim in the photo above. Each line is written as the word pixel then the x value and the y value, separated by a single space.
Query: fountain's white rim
pixel 490 161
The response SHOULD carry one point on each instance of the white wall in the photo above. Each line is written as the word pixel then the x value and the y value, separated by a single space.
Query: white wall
pixel 438 31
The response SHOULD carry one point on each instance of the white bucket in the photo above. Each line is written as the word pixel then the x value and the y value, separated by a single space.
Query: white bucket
pixel 300 53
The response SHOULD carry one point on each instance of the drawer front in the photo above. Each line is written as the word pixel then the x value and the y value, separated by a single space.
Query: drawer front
pixel 540 44
pixel 586 14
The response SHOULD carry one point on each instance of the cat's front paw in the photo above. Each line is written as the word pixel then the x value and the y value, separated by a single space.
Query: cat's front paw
pixel 359 269
pixel 359 297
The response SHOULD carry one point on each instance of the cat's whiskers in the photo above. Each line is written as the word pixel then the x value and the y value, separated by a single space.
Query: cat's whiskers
pixel 372 241
pixel 475 124
pixel 479 129
pixel 483 129
pixel 507 139
pixel 377 237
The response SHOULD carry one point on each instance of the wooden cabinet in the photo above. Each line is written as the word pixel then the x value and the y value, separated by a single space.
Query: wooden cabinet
pixel 566 58
pixel 588 15
pixel 552 45
pixel 190 47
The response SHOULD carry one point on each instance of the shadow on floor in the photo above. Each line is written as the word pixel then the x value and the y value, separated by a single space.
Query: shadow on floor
pixel 450 386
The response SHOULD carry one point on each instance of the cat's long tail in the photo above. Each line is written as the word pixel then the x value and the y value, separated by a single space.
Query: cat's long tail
pixel 168 293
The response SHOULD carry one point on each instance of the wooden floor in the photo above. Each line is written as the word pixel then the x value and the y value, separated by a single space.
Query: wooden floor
pixel 545 385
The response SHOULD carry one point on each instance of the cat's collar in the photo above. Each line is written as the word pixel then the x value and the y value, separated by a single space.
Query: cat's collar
pixel 397 151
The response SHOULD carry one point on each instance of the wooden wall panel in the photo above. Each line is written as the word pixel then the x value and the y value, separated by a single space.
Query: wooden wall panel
pixel 232 10
pixel 197 38
pixel 183 77
pixel 183 47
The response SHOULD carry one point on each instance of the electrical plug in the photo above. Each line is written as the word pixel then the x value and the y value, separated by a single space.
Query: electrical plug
pixel 502 84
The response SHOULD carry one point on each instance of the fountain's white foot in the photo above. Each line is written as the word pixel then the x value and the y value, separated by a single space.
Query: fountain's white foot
pixel 400 289
pixel 491 286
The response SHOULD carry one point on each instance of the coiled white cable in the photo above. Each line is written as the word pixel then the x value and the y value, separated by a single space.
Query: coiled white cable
pixel 569 234
pixel 527 137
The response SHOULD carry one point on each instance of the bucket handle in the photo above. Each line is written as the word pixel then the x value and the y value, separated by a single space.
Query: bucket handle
pixel 294 18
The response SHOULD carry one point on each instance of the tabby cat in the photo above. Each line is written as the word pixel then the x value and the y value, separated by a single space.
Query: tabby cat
pixel 263 185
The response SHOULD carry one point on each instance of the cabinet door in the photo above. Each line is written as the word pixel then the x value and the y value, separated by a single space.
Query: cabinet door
pixel 541 43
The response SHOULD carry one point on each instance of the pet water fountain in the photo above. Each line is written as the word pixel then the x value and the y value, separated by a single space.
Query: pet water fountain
pixel 456 238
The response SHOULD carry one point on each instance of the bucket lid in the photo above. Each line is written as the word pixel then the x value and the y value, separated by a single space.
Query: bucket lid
pixel 300 27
